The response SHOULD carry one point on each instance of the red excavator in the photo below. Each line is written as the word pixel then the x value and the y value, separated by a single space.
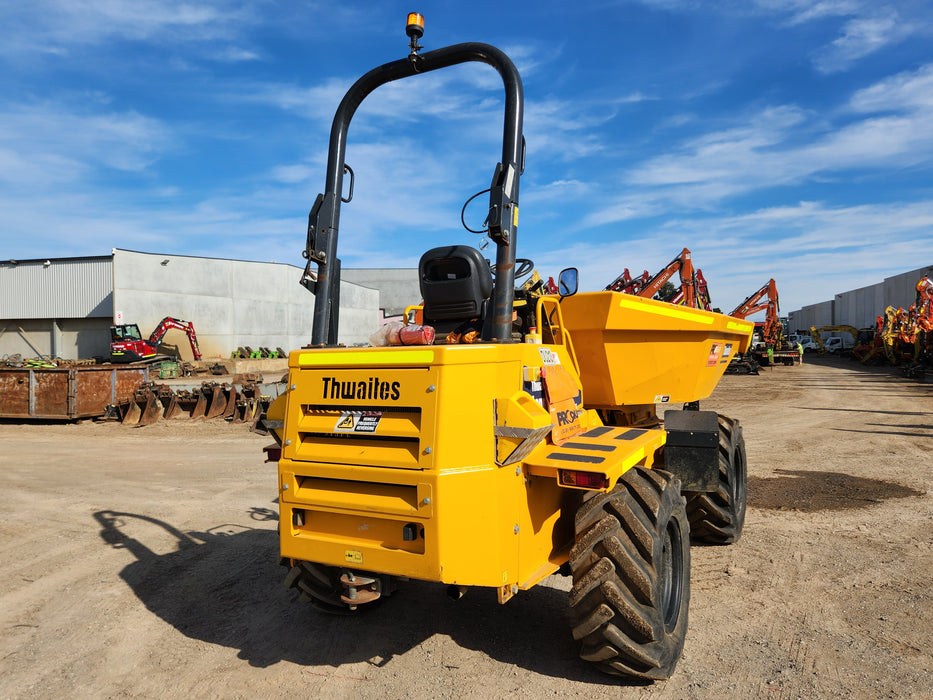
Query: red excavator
pixel 627 284
pixel 128 345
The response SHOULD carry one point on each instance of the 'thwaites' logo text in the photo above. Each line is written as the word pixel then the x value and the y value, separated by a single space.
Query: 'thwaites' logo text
pixel 373 388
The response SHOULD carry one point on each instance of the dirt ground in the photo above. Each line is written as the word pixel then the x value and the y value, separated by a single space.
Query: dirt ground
pixel 142 562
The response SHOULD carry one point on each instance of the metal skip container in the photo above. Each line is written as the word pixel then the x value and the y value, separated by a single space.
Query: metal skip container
pixel 641 351
pixel 66 393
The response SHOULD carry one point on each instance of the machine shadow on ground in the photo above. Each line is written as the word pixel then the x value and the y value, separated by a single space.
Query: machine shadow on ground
pixel 813 491
pixel 225 587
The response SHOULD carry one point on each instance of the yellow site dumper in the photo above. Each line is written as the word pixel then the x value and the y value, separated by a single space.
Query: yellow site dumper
pixel 534 449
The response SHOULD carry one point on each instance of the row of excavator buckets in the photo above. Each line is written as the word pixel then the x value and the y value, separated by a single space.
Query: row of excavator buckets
pixel 152 402
pixel 262 353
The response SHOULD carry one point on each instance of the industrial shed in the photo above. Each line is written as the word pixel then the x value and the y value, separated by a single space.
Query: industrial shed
pixel 398 288
pixel 860 307
pixel 64 307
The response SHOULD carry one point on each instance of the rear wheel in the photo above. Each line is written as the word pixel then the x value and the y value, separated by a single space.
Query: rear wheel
pixel 717 517
pixel 631 576
pixel 318 585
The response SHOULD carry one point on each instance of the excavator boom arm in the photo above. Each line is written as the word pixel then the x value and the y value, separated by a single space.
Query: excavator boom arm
pixel 168 323
pixel 682 264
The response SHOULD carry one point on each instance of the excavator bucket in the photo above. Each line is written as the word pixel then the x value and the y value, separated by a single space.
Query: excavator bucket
pixel 185 403
pixel 230 408
pixel 172 408
pixel 239 415
pixel 152 411
pixel 200 408
pixel 217 403
pixel 132 414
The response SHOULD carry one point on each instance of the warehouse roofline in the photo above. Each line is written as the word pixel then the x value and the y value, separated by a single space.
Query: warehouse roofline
pixel 40 261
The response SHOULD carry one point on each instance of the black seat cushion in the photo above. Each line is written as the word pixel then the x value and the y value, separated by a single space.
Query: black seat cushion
pixel 455 283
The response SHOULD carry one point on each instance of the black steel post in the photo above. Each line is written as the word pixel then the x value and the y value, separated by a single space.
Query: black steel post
pixel 322 248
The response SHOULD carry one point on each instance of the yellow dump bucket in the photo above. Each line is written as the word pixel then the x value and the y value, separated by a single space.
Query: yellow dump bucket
pixel 640 351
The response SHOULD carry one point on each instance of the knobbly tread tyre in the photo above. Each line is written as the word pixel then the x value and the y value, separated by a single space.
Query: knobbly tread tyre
pixel 631 576
pixel 318 585
pixel 717 517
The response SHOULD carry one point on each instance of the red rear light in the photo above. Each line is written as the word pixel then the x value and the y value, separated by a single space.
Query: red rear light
pixel 583 480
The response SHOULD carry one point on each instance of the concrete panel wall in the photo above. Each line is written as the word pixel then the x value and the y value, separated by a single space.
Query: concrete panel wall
pixel 232 303
pixel 860 307
pixel 67 338
pixel 814 315
pixel 901 290
pixel 397 288
pixel 84 337
pixel 26 337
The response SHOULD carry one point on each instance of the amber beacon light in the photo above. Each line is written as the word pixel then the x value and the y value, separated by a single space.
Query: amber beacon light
pixel 415 25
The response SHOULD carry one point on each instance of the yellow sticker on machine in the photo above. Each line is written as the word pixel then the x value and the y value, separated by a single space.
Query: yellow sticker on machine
pixel 515 216
pixel 353 556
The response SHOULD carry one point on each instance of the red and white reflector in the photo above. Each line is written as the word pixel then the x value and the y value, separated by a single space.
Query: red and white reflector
pixel 583 480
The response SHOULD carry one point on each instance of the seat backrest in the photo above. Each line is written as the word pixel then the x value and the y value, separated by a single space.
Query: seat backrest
pixel 455 283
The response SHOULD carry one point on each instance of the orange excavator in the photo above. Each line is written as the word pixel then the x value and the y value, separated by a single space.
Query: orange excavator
pixel 772 332
pixel 683 264
pixel 701 298
pixel 128 345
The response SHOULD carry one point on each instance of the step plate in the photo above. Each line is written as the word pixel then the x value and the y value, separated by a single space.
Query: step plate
pixel 605 450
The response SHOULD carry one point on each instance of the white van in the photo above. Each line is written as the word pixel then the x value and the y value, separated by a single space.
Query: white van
pixel 808 344
pixel 837 344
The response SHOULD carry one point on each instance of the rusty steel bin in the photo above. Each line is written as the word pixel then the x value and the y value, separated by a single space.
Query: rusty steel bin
pixel 66 393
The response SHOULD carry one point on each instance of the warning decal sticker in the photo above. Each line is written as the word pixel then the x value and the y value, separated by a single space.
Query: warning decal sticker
pixel 548 356
pixel 715 353
pixel 353 556
pixel 358 422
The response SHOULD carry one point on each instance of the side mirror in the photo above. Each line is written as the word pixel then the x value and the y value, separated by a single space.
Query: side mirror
pixel 567 282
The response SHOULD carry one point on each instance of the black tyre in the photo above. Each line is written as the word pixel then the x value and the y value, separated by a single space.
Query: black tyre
pixel 318 585
pixel 717 517
pixel 631 576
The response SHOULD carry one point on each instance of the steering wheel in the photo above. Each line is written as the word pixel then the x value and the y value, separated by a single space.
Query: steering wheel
pixel 523 267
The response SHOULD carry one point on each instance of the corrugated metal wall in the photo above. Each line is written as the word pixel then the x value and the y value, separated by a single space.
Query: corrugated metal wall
pixel 63 288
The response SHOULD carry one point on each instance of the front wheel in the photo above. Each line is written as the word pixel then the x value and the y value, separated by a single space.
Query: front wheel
pixel 631 576
pixel 718 517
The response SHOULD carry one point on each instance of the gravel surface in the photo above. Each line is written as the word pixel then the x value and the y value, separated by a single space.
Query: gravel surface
pixel 143 562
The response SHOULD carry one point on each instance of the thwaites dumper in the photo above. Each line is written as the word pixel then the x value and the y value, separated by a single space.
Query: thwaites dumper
pixel 502 462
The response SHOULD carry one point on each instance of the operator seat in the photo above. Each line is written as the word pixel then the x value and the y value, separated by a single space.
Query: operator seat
pixel 456 284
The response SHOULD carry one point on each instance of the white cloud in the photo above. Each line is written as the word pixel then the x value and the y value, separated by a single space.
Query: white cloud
pixel 905 91
pixel 811 249
pixel 861 37
pixel 59 27
pixel 58 144
pixel 782 146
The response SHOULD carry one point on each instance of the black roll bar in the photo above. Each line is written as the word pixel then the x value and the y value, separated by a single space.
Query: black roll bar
pixel 323 221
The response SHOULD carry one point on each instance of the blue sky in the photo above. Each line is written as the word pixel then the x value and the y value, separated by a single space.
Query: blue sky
pixel 774 138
